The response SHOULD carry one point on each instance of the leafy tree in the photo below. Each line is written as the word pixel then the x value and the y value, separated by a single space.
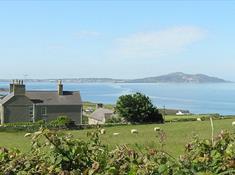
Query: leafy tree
pixel 137 108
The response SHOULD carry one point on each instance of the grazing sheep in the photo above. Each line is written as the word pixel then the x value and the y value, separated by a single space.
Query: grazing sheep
pixel 102 131
pixel 233 123
pixel 134 131
pixel 27 135
pixel 116 133
pixel 199 119
pixel 156 129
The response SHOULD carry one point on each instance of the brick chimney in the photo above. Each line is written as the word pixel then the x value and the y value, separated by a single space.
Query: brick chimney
pixel 60 87
pixel 11 86
pixel 17 87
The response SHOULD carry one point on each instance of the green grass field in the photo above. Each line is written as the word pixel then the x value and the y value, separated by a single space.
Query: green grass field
pixel 175 117
pixel 177 135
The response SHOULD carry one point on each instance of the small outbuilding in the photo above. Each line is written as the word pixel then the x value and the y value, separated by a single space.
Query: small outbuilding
pixel 100 115
pixel 179 113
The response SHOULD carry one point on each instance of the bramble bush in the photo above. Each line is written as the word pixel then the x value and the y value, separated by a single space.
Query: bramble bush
pixel 54 152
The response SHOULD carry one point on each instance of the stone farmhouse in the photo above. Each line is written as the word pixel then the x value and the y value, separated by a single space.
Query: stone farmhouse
pixel 25 106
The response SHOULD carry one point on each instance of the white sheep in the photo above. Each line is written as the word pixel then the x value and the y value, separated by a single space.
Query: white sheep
pixel 199 119
pixel 102 131
pixel 134 131
pixel 27 135
pixel 233 123
pixel 116 133
pixel 157 129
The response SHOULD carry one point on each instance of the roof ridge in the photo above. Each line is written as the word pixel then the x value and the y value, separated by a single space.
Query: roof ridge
pixel 50 97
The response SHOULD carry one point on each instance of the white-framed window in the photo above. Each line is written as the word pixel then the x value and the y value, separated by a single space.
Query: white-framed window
pixel 44 111
pixel 30 110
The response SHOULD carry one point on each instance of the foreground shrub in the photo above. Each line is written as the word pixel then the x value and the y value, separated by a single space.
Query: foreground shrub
pixel 62 121
pixel 54 153
pixel 211 156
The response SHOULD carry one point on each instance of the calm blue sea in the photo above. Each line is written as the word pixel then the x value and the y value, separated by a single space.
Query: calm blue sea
pixel 198 98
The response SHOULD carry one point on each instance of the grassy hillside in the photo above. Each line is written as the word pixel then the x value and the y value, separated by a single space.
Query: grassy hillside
pixel 179 77
pixel 177 135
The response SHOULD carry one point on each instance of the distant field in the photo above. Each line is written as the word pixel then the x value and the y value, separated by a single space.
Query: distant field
pixel 175 117
pixel 177 135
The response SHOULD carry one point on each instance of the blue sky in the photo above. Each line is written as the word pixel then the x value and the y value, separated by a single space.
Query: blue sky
pixel 118 39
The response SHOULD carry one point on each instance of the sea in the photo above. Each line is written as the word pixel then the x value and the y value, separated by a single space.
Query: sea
pixel 197 98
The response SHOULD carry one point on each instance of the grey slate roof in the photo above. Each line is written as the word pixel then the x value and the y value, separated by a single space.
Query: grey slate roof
pixel 6 98
pixel 52 97
pixel 49 98
pixel 99 113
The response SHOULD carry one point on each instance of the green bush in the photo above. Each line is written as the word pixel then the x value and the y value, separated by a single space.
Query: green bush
pixel 54 153
pixel 41 122
pixel 84 119
pixel 137 108
pixel 61 121
pixel 114 119
pixel 18 124
pixel 211 156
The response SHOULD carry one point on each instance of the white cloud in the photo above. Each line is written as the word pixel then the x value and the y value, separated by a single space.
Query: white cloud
pixel 86 34
pixel 157 43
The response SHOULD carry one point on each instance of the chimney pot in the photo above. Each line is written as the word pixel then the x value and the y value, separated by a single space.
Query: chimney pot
pixel 18 88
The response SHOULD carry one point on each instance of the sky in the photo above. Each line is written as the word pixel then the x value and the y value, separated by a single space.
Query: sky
pixel 116 39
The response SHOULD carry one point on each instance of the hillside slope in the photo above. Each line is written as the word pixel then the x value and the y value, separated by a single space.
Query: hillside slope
pixel 179 77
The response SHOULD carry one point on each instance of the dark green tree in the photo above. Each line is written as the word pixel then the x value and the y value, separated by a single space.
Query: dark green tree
pixel 137 108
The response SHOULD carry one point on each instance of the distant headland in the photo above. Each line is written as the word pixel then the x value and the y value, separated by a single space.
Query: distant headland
pixel 176 77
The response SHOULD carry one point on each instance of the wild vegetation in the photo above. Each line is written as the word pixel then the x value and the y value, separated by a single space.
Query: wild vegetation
pixel 54 152
pixel 62 122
